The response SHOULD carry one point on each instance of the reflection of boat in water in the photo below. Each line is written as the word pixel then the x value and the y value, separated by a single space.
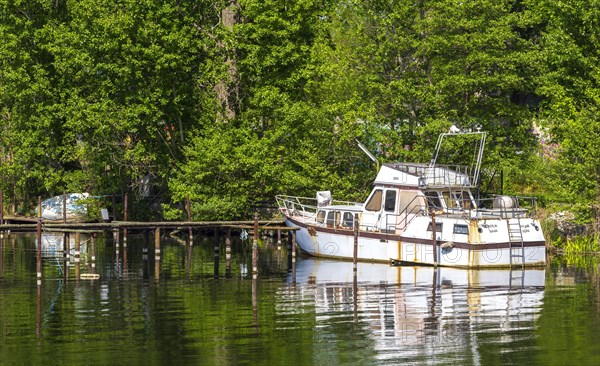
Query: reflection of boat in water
pixel 53 244
pixel 325 271
pixel 416 311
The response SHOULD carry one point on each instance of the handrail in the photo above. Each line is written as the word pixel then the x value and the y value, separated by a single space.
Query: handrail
pixel 406 213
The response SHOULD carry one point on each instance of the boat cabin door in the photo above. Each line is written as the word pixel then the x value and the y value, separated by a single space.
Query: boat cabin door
pixel 380 210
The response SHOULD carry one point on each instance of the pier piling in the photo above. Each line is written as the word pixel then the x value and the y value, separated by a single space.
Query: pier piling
pixel 66 254
pixel 278 239
pixel 145 246
pixel 157 253
pixel 1 254
pixel 216 254
pixel 293 247
pixel 125 219
pixel 228 254
pixel 434 239
pixel 355 256
pixel 255 248
pixel 77 255
pixel 93 253
pixel 39 242
pixel 189 217
pixel 145 269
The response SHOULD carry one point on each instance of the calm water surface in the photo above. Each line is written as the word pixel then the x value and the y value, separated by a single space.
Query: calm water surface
pixel 183 310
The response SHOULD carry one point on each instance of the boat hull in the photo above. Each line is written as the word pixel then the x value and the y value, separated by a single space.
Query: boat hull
pixel 379 247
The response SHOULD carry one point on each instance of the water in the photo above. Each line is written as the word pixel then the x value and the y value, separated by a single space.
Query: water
pixel 312 313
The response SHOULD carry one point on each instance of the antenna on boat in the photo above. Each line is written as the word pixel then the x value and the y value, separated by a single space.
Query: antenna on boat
pixel 366 151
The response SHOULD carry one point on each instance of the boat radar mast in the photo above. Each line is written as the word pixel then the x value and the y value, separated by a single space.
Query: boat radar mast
pixel 479 147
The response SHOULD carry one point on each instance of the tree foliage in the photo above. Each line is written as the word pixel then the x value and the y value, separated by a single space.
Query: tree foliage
pixel 231 102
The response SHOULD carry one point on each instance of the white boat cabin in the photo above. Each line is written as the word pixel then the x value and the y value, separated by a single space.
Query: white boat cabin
pixel 401 192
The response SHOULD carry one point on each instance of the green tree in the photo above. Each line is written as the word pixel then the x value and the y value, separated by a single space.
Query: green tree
pixel 569 84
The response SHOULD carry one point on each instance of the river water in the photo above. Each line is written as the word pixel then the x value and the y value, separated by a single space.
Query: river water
pixel 183 310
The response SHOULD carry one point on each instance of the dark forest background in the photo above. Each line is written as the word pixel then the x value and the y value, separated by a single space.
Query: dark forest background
pixel 233 102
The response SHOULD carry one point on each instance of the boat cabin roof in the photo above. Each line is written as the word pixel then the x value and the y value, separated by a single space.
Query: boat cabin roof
pixel 423 176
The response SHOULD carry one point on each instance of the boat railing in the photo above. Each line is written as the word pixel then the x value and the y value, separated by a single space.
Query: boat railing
pixel 505 207
pixel 439 175
pixel 293 205
pixel 412 210
pixel 305 206
pixel 447 176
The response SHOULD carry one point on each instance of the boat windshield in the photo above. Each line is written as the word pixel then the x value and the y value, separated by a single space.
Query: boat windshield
pixel 433 199
pixel 374 203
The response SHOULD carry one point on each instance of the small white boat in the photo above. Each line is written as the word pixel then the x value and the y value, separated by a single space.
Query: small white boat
pixel 424 214
pixel 52 208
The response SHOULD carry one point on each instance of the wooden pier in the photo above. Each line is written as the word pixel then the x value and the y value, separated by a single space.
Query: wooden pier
pixel 120 229
pixel 75 229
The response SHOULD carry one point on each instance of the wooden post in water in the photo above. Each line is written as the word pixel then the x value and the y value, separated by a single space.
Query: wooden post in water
pixel 189 215
pixel 293 236
pixel 93 254
pixel 157 253
pixel 1 253
pixel 255 304
pixel 66 254
pixel 228 254
pixel 289 249
pixel 38 314
pixel 278 239
pixel 216 253
pixel 255 248
pixel 355 256
pixel 145 268
pixel 77 249
pixel 39 242
pixel 116 235
pixel 145 246
pixel 188 262
pixel 1 217
pixel 434 238
pixel 355 295
pixel 125 262
pixel 125 204
pixel 293 246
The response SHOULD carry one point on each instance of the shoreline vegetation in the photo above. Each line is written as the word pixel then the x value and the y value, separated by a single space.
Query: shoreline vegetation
pixel 229 103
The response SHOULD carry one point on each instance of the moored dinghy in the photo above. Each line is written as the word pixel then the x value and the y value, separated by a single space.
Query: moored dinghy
pixel 424 214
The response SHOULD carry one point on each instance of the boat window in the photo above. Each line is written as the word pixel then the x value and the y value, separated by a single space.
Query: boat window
pixel 333 218
pixel 411 202
pixel 464 199
pixel 433 199
pixel 438 227
pixel 374 203
pixel 348 219
pixel 321 216
pixel 448 200
pixel 390 201
pixel 461 229
pixel 330 218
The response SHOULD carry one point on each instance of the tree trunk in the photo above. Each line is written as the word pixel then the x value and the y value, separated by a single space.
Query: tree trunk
pixel 227 89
